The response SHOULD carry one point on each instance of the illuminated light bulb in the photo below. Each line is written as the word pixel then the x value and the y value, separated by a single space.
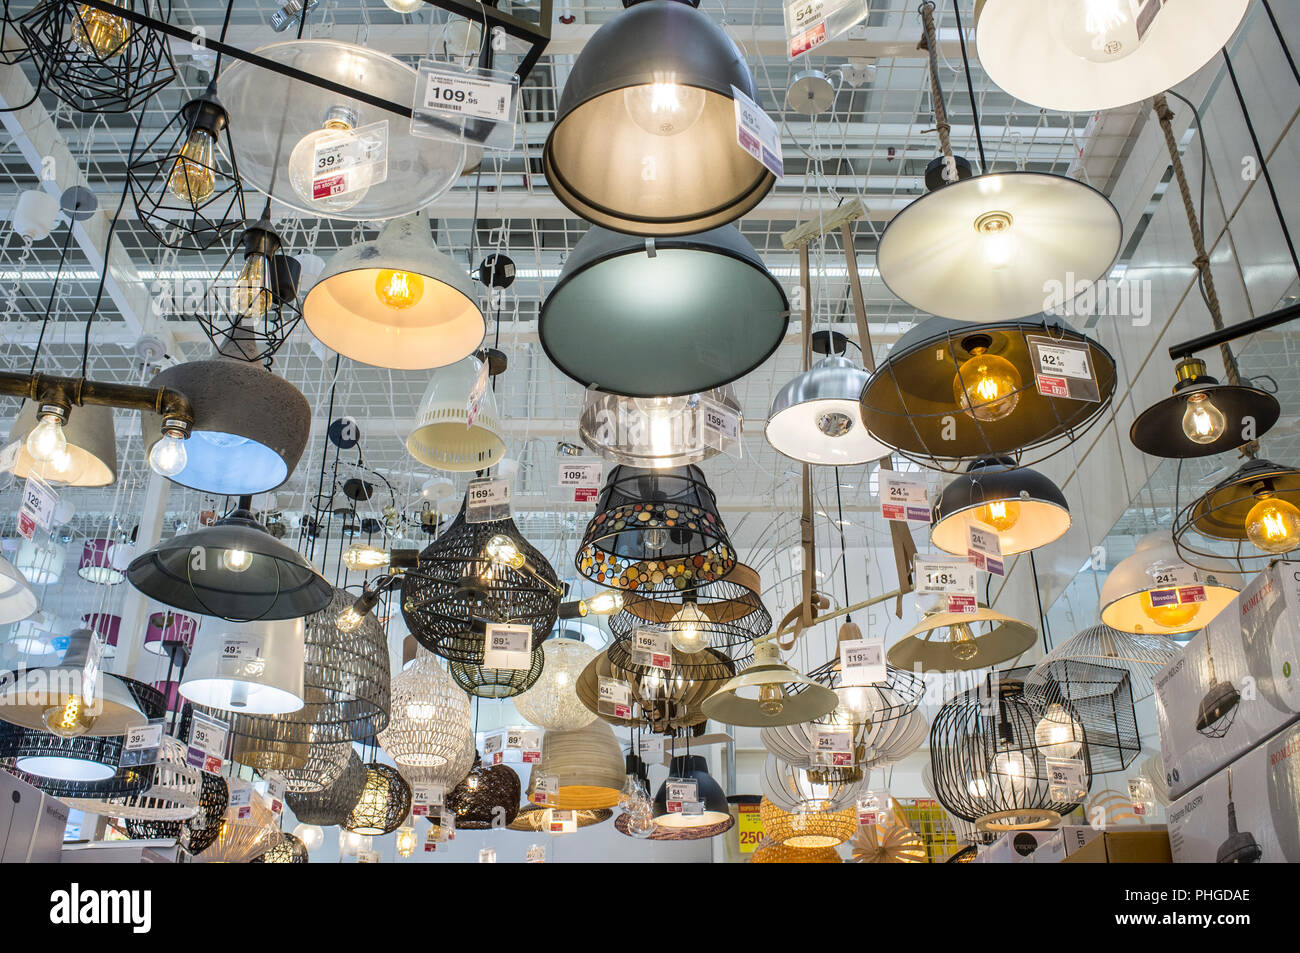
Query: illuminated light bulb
pixel 835 424
pixel 986 386
pixel 362 557
pixel 349 620
pixel 664 109
pixel 310 835
pixel 856 706
pixel 1173 616
pixel 251 296
pixel 687 635
pixel 656 538
pixel 405 840
pixel 1012 765
pixel 502 549
pixel 1273 525
pixel 69 719
pixel 996 242
pixel 978 787
pixel 605 603
pixel 63 467
pixel 963 644
pixel 168 456
pixel 320 191
pixel 98 33
pixel 405 6
pixel 1055 733
pixel 1001 515
pixel 662 417
pixel 399 289
pixel 193 178
pixel 46 441
pixel 236 560
pixel 771 700
pixel 1202 421
pixel 1100 31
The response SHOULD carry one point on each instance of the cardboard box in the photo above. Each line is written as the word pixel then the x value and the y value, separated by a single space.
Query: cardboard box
pixel 160 851
pixel 1014 847
pixel 1258 823
pixel 1065 842
pixel 1125 847
pixel 1235 684
pixel 32 832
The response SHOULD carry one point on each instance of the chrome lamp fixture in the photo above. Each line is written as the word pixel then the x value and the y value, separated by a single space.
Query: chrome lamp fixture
pixel 652 432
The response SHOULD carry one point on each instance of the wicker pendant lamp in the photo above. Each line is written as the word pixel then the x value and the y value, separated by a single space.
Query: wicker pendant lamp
pixel 1154 591
pixel 807 829
pixel 486 798
pixel 444 435
pixel 198 832
pixel 482 682
pixel 449 774
pixel 431 714
pixel 83 766
pixel 588 763
pixel 655 433
pixel 663 700
pixel 552 702
pixel 953 642
pixel 290 850
pixel 173 795
pixel 330 805
pixel 323 766
pixel 384 803
pixel 770 851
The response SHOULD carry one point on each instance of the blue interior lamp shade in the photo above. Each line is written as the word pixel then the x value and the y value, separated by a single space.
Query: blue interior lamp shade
pixel 663 317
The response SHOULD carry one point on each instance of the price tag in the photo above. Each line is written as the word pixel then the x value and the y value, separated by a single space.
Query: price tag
pixel 431 838
pixel 26 526
pixel 651 749
pixel 508 646
pixel 39 502
pixel 545 787
pixel 756 133
pixel 427 799
pixel 240 654
pixel 903 497
pixel 615 698
pixel 810 23
pixel 561 822
pixel 1143 795
pixel 862 662
pixel 241 799
pixel 832 746
pixel 475 106
pixel 536 854
pixel 350 160
pixel 487 856
pixel 953 579
pixel 369 856
pixel 141 745
pixel 680 791
pixel 719 421
pixel 207 746
pixel 9 457
pixel 493 747
pixel 487 500
pixel 651 647
pixel 456 91
pixel 584 477
pixel 1063 368
pixel 1175 585
pixel 873 808
pixel 749 827
pixel 528 741
pixel 90 670
pixel 275 788
pixel 984 548
pixel 476 393
pixel 1066 779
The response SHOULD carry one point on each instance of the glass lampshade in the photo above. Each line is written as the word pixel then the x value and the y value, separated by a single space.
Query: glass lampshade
pixel 443 436
pixel 553 700
pixel 654 432
pixel 1025 508
pixel 1127 603
pixel 252 667
pixel 92 447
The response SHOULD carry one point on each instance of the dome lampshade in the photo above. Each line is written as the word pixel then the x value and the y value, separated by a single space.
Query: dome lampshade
pixel 384 803
pixel 92 447
pixel 1025 508
pixel 709 792
pixel 1155 591
pixel 486 798
pixel 588 763
pixel 253 667
pixel 816 418
pixel 769 693
pixel 951 641
pixel 444 436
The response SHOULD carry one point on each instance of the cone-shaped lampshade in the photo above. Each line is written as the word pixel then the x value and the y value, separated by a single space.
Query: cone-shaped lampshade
pixel 692 768
pixel 816 418
pixel 1077 56
pixel 588 763
pixel 17 600
pixel 92 447
pixel 644 139
pixel 947 642
pixel 444 437
pixel 697 313
pixel 250 426
pixel 253 668
pixel 396 301
pixel 1025 508
pixel 1155 591
pixel 769 692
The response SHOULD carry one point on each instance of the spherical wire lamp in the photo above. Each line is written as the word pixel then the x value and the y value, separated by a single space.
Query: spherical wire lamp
pixel 330 805
pixel 1255 510
pixel 483 682
pixel 1155 592
pixel 1024 508
pixel 552 701
pixel 796 790
pixel 445 436
pixel 953 642
pixel 654 433
pixel 290 850
pixel 431 715
pixel 488 797
pixel 384 803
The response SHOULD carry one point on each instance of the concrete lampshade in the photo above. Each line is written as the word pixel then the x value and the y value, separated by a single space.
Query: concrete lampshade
pixel 588 763
pixel 92 447
pixel 816 418
pixel 433 319
pixel 17 599
pixel 253 668
pixel 444 437
pixel 1025 508
pixel 1127 603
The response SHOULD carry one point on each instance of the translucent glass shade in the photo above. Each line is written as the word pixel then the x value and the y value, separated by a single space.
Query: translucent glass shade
pixel 430 715
pixel 91 446
pixel 553 701
pixel 443 436
pixel 1155 566
pixel 254 668
pixel 654 432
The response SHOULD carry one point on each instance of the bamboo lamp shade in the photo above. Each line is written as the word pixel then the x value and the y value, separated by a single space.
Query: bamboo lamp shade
pixel 588 763
pixel 532 818
pixel 332 804
pixel 807 829
pixel 769 851
pixel 384 802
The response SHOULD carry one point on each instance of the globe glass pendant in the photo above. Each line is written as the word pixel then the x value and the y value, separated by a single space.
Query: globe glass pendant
pixel 816 418
pixel 553 700
pixel 1155 592
pixel 1024 508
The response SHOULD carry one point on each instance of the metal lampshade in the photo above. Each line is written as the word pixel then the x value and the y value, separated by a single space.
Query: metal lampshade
pixel 675 317
pixel 1141 655
pixel 764 694
pixel 1025 508
pixel 644 139
pixel 1128 603
pixel 816 418
pixel 716 811
pixel 651 432
pixel 444 435
pixel 253 667
pixel 1082 699
pixel 1231 511
pixel 951 641
pixel 664 700
pixel 92 447
pixel 1043 52
pixel 17 598
pixel 1202 417
pixel 198 832
pixel 588 763
pixel 396 301
pixel 553 702
pixel 250 426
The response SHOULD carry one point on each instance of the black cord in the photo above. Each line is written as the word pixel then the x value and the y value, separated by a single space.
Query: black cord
pixel 1042 616
pixel 970 86
pixel 1286 50
pixel 225 25
pixel 49 306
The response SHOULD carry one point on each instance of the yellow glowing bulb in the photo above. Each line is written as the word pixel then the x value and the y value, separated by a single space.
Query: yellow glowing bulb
pixel 664 108
pixel 252 292
pixel 1273 525
pixel 1173 616
pixel 361 557
pixel 987 386
pixel 399 289
pixel 98 33
pixel 68 720
pixel 962 643
pixel 192 179
pixel 236 560
pixel 349 620
pixel 1001 515
pixel 1202 421
pixel 771 700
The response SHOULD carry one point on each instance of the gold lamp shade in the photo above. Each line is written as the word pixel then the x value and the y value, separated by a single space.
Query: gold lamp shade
pixel 807 829
pixel 949 641
pixel 532 818
pixel 773 852
pixel 588 763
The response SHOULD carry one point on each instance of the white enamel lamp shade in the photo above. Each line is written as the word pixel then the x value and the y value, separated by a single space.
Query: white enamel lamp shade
pixel 1127 603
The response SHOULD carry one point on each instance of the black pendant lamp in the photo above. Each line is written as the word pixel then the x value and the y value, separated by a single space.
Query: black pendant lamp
pixel 712 799
pixel 1025 508
pixel 1203 417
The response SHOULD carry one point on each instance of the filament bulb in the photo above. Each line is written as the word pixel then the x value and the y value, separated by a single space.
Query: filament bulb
pixel 192 179
pixel 1202 421
pixel 100 34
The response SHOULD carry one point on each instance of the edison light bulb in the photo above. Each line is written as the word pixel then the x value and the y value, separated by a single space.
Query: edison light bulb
pixel 664 109
pixel 69 719
pixel 1101 31
pixel 1202 421
pixel 1273 525
pixel 319 187
pixel 963 644
pixel 98 33
pixel 995 238
pixel 168 456
pixel 656 538
pixel 1001 515
pixel 63 467
pixel 1173 616
pixel 405 841
pixel 687 634
pixel 771 700
pixel 192 178
pixel 856 706
pixel 349 620
pixel 662 417
pixel 399 289
pixel 236 560
pixel 502 549
pixel 362 557
pixel 1055 733
pixel 605 603
pixel 252 292
pixel 46 441
pixel 986 386
pixel 1013 766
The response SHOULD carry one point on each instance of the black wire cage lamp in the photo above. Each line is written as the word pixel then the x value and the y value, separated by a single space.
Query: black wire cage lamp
pixel 1085 699
pixel 462 584
pixel 383 804
pixel 483 682
pixel 12 48
pixel 655 531
pixel 989 762
pixel 83 767
pixel 330 805
pixel 948 391
pixel 184 181
pixel 1255 511
pixel 97 61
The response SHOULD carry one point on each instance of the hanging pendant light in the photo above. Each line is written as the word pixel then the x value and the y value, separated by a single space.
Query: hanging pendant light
pixel 709 793
pixel 1080 700
pixel 40 563
pixel 96 564
pixel 664 317
pixel 644 139
pixel 816 418
pixel 483 682
pixel 290 850
pixel 588 765
pixel 770 851
pixel 769 692
pixel 17 598
pixel 1154 591
pixel 283 122
pixel 169 628
pixel 332 804
pixel 665 701
pixel 197 833
pixel 254 667
pixel 1203 417
pixel 246 832
pixel 487 798
pixel 655 432
pixel 431 714
pixel 553 702
pixel 532 818
pixel 173 794
pixel 1025 508
pixel 447 434
pixel 1090 55
pixel 1257 506
pixel 89 457
pixel 384 803
pixel 396 301
pixel 950 641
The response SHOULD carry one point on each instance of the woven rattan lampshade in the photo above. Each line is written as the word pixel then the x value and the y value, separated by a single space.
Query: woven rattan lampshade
pixel 532 818
pixel 449 774
pixel 173 795
pixel 1025 508
pixel 458 588
pixel 198 832
pixel 1142 656
pixel 1082 696
pixel 240 839
pixel 324 765
pixel 1154 591
pixel 664 701
pixel 483 682
pixel 807 829
pixel 942 641
pixel 653 433
pixel 552 701
pixel 487 798
pixel 330 805
pixel 92 447
pixel 769 851
pixel 384 802
pixel 444 436
pixel 764 695
pixel 290 850
pixel 431 715
pixel 588 763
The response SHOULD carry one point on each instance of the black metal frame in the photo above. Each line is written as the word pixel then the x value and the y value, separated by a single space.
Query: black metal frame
pixel 1233 496
pixel 497 682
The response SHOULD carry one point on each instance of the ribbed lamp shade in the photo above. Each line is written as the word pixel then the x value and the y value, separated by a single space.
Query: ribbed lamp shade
pixel 486 798
pixel 243 838
pixel 92 447
pixel 330 805
pixel 107 626
pixel 165 627
pixel 173 795
pixel 40 563
pixel 253 667
pixel 807 829
pixel 444 435
pixel 430 715
pixel 1154 591
pixel 553 702
pixel 701 312
pixel 588 763
pixel 709 792
pixel 882 744
pixel 396 301
pixel 816 418
pixel 655 432
pixel 796 790
pixel 644 139
pixel 1025 508
pixel 17 599
pixel 198 832
pixel 96 563
pixel 958 641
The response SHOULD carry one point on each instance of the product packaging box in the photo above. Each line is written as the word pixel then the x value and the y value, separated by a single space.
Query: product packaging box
pixel 159 851
pixel 1071 838
pixel 1236 683
pixel 1150 846
pixel 1013 847
pixel 1247 813
pixel 32 832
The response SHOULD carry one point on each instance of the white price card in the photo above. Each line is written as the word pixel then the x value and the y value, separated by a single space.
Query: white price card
pixel 756 133
pixel 369 856
pixel 474 106
pixel 719 421
pixel 427 798
pixel 584 476
pixel 241 799
pixel 679 791
pixel 650 647
pixel 487 856
pixel 1175 586
pixel 141 745
pixel 527 741
pixel 651 749
pixel 207 745
pixel 1066 779
pixel 832 746
pixel 862 662
pixel 464 93
pixel 561 822
pixel 984 548
pixel 536 854
pixel 954 579
pixel 615 698
pixel 903 497
pixel 275 788
pixel 239 654
pixel 508 646
pixel 810 23
pixel 487 500
pixel 1063 368
pixel 39 501
pixel 545 787
pixel 350 160
pixel 873 808
pixel 493 748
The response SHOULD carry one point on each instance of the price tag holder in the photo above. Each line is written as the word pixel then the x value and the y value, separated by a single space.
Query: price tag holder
pixel 545 787
pixel 584 477
pixel 873 808
pixel 141 745
pixel 681 791
pixel 984 548
pixel 1063 368
pixel 615 698
pixel 651 749
pixel 39 501
pixel 536 854
pixel 493 748
pixel 275 788
pixel 508 646
pixel 719 427
pixel 350 160
pixel 487 500
pixel 476 393
pixel 369 856
pixel 241 799
pixel 561 822
pixel 240 655
pixel 1176 586
pixel 207 745
pixel 472 106
pixel 651 647
pixel 749 827
pixel 862 662
pixel 527 741
pixel 832 746
pixel 1143 795
pixel 810 23
pixel 756 133
pixel 903 497
pixel 950 578
pixel 431 838
pixel 427 799
pixel 487 856
pixel 1066 779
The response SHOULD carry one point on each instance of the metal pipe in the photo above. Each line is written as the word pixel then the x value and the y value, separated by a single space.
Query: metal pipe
pixel 1224 335
pixel 78 391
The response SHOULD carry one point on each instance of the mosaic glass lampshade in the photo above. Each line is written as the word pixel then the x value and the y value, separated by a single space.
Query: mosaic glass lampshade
pixel 330 805
pixel 290 850
pixel 483 682
pixel 431 715
pixel 808 829
pixel 553 700
pixel 486 798
pixel 770 851
pixel 1084 698
pixel 1141 656
pixel 588 764
pixel 444 435
pixel 240 839
pixel 173 795
pixel 664 701
pixel 954 642
pixel 1154 591
pixel 1024 508
pixel 458 588
pixel 198 832
pixel 384 803
pixel 653 433
pixel 655 531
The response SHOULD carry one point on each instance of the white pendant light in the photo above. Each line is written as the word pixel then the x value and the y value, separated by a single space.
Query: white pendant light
pixel 817 417
pixel 252 668
pixel 1155 591
pixel 40 564
pixel 444 436
pixel 17 600
pixel 553 701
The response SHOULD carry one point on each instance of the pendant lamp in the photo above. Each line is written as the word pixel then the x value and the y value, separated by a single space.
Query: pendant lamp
pixel 948 391
pixel 40 563
pixel 91 458
pixel 798 790
pixel 1203 417
pixel 709 794
pixel 1256 509
pixel 816 418
pixel 875 747
pixel 951 641
pixel 330 805
pixel 310 835
pixel 664 701
pixel 246 832
pixel 487 798
pixel 17 599
pixel 1081 699
pixel 169 628
pixel 532 818
pixel 431 714
pixel 1142 655
pixel 483 682
pixel 1240 846
pixel 1155 592
pixel 250 426
pixel 173 794
pixel 384 803
pixel 893 842
pixel 644 139
pixel 770 851
pixel 662 318
pixel 323 766
pixel 655 531
pixel 198 832
pixel 769 693
pixel 807 830
pixel 396 301
pixel 290 850
pixel 588 765
pixel 253 667
pixel 1085 56
pixel 1024 508
pixel 96 564
pixel 285 123
pixel 652 432
pixel 245 574
pixel 450 774
pixel 445 435
pixel 553 702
